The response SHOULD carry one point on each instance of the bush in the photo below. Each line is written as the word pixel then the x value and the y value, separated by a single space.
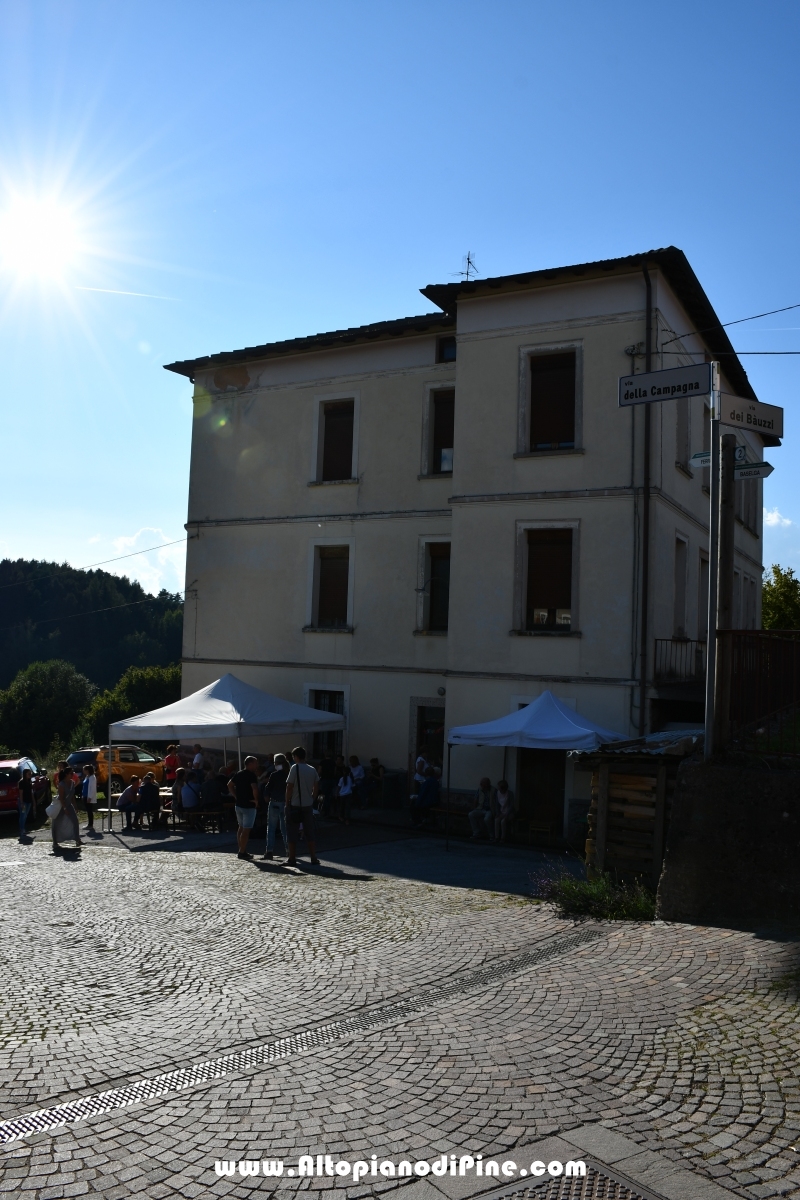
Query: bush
pixel 139 690
pixel 43 702
pixel 604 898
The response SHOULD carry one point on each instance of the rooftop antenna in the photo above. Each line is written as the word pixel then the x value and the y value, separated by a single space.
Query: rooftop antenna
pixel 469 271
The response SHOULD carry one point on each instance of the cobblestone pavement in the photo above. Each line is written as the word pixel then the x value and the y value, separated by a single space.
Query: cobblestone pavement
pixel 682 1043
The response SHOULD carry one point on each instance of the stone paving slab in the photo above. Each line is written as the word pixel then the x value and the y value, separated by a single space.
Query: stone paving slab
pixel 650 1049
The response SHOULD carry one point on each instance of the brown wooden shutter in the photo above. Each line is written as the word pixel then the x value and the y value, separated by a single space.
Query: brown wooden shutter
pixel 549 600
pixel 334 564
pixel 553 401
pixel 337 447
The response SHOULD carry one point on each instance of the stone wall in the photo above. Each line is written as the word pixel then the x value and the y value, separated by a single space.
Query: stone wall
pixel 733 847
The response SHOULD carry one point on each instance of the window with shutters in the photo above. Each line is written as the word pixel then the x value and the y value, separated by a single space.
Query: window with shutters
pixel 682 433
pixel 679 589
pixel 437 586
pixel 549 580
pixel 332 586
pixel 443 407
pixel 328 743
pixel 552 402
pixel 336 440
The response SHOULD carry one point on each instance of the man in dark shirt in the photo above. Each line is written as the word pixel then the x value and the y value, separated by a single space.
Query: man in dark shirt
pixel 244 787
pixel 24 802
pixel 275 794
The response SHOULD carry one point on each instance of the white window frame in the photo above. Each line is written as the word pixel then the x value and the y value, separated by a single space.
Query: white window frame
pixel 526 353
pixel 318 439
pixel 426 458
pixel 423 598
pixel 312 582
pixel 521 570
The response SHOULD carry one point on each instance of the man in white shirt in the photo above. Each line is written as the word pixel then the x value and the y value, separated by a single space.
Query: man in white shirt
pixel 301 789
pixel 197 761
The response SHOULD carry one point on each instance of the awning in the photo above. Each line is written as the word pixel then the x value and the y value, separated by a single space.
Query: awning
pixel 226 708
pixel 546 724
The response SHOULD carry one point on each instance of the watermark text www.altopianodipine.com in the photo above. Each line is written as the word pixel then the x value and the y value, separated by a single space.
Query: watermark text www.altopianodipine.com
pixel 321 1165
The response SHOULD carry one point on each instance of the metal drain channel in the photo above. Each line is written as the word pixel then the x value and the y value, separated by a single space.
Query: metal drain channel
pixel 599 1183
pixel 323 1035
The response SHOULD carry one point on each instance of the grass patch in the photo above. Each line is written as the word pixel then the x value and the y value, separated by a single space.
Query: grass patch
pixel 604 898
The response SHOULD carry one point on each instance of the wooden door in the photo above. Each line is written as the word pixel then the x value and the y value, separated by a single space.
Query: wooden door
pixel 541 781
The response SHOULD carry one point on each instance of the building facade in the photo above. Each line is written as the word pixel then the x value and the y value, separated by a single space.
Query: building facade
pixel 425 523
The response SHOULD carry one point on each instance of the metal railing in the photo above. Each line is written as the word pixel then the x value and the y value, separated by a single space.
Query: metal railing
pixel 679 660
pixel 765 689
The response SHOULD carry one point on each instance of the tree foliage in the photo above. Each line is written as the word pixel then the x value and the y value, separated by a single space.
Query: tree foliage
pixel 780 599
pixel 45 701
pixel 101 623
pixel 140 689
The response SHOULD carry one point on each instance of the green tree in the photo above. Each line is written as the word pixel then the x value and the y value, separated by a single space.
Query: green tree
pixel 780 599
pixel 43 702
pixel 139 690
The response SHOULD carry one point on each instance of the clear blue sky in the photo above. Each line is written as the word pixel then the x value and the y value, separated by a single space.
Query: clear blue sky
pixel 273 169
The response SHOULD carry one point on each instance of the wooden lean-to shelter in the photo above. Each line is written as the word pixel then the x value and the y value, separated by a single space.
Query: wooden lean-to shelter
pixel 632 788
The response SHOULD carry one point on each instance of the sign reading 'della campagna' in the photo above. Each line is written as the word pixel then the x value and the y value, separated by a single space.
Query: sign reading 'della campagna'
pixel 665 385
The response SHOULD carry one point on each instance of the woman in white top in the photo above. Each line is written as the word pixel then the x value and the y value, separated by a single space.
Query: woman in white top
pixel 344 791
pixel 89 793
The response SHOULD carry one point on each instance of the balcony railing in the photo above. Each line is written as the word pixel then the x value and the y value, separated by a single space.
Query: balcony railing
pixel 679 660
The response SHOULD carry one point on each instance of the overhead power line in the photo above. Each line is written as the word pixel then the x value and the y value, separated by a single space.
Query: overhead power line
pixel 119 558
pixel 727 324
pixel 90 613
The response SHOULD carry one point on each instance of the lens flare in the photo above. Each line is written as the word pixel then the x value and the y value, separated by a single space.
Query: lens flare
pixel 38 238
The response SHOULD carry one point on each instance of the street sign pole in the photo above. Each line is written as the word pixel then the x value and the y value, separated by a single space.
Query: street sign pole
pixel 713 565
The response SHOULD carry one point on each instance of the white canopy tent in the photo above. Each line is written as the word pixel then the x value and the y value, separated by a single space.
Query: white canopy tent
pixel 226 708
pixel 545 724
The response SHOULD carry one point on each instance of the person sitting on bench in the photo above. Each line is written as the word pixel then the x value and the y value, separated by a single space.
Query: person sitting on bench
pixel 147 800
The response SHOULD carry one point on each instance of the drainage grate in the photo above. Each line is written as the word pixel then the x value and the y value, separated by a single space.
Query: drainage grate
pixel 599 1183
pixel 323 1035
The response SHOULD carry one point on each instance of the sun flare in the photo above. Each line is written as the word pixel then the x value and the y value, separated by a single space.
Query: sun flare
pixel 38 238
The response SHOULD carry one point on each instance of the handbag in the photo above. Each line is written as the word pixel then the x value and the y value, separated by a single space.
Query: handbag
pixel 54 808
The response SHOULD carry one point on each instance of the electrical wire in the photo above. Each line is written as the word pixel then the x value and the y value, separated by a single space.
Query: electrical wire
pixel 90 613
pixel 119 558
pixel 726 324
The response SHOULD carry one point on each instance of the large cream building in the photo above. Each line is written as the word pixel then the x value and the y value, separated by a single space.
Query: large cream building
pixel 427 522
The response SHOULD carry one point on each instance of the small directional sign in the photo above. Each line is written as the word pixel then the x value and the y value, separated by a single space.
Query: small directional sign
pixel 665 385
pixel 703 457
pixel 752 471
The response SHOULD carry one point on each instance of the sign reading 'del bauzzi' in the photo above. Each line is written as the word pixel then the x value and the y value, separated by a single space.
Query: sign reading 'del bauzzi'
pixel 665 385
pixel 751 414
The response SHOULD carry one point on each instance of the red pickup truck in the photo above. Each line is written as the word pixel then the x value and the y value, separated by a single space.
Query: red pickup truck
pixel 10 774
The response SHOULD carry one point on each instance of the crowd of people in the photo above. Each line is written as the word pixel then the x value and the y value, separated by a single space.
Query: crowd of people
pixel 289 790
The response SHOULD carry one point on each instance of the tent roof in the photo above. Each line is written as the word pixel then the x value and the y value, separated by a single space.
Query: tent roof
pixel 226 708
pixel 546 724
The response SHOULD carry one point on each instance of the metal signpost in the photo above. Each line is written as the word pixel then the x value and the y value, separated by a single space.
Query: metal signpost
pixel 766 419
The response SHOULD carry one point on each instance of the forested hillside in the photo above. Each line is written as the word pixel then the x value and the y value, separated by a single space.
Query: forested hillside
pixel 101 623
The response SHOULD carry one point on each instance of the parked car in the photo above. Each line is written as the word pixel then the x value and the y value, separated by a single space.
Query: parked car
pixel 126 760
pixel 10 774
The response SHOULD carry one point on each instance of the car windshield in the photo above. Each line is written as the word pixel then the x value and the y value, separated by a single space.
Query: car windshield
pixel 82 756
pixel 9 775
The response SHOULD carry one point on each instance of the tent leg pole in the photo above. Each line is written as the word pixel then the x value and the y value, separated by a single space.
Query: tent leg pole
pixel 224 752
pixel 108 788
pixel 447 804
pixel 239 742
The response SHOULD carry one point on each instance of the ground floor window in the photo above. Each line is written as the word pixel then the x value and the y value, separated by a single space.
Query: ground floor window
pixel 329 743
pixel 430 734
